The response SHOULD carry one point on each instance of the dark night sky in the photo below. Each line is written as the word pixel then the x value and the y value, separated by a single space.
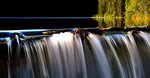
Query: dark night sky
pixel 51 8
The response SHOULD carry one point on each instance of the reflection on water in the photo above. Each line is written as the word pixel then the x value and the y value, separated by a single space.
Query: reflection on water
pixel 118 22
pixel 82 22
pixel 136 21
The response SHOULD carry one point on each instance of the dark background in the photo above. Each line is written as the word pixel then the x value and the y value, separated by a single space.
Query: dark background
pixel 51 8
pixel 48 8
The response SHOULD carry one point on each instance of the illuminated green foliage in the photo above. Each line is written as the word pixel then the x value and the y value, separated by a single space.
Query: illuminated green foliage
pixel 124 8
pixel 110 8
pixel 133 13
pixel 137 8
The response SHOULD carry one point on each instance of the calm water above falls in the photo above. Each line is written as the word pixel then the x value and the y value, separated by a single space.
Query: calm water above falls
pixel 82 22
pixel 67 55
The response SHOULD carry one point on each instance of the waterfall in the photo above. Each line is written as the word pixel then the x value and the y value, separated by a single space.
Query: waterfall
pixel 70 55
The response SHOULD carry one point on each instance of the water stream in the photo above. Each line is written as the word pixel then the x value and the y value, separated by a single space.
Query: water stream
pixel 69 55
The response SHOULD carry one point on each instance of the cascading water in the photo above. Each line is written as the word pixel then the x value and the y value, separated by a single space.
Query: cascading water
pixel 68 55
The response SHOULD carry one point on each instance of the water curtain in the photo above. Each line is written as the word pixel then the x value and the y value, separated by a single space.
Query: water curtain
pixel 80 54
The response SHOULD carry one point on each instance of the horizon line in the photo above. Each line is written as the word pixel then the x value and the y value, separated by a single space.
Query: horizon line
pixel 49 17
